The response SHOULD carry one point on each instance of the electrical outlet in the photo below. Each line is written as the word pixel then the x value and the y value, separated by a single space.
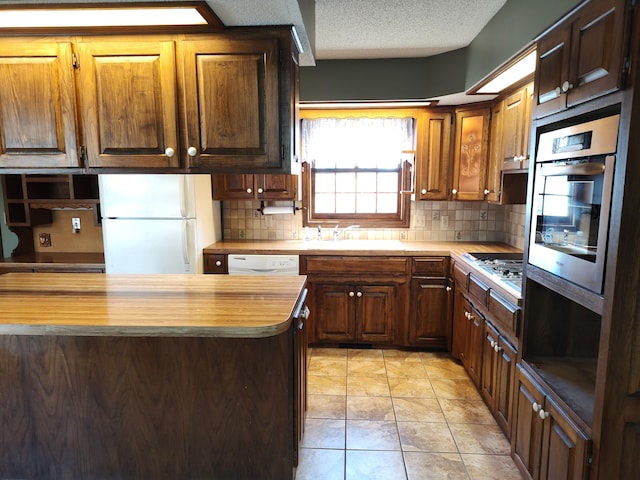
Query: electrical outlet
pixel 444 222
pixel 75 224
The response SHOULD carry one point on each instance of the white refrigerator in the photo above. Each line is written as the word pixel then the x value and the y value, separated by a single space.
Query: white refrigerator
pixel 157 223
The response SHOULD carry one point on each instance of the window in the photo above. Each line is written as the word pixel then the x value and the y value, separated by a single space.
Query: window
pixel 357 167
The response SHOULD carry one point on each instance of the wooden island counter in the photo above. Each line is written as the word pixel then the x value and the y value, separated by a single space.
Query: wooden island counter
pixel 159 376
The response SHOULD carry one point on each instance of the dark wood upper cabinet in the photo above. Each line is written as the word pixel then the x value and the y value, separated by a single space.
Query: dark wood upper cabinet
pixel 129 103
pixel 255 187
pixel 230 100
pixel 433 163
pixel 581 58
pixel 37 105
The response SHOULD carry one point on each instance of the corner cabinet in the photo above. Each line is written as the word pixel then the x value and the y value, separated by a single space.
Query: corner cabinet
pixel 470 154
pixel 431 302
pixel 37 94
pixel 581 58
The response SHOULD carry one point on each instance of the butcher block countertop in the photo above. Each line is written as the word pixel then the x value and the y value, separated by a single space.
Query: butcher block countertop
pixel 95 304
pixel 354 247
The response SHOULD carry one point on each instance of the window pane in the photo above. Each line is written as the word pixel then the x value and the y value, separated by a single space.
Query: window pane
pixel 366 203
pixel 367 182
pixel 325 182
pixel 345 203
pixel 387 203
pixel 345 182
pixel 388 182
pixel 325 203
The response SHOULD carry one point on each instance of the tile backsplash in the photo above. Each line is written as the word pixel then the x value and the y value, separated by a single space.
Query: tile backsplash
pixel 430 221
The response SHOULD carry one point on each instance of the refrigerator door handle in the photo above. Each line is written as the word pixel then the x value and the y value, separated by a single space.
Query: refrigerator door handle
pixel 185 242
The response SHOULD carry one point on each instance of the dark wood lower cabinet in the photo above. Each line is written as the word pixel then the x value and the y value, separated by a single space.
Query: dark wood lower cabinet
pixel 430 313
pixel 546 444
pixel 468 336
pixel 355 313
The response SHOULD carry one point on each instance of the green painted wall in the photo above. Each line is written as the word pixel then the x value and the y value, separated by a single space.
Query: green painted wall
pixel 513 27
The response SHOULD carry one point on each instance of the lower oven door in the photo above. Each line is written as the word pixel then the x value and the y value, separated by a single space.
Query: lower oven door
pixel 570 219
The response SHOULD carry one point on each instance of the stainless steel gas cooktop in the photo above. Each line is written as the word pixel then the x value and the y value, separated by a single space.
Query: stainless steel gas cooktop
pixel 503 267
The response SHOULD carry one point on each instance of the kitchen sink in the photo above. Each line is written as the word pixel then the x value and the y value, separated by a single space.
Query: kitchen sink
pixel 362 245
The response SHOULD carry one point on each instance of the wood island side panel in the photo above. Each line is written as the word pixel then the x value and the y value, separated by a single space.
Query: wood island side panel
pixel 133 407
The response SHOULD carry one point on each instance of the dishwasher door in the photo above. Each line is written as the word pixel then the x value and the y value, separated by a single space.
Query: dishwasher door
pixel 240 264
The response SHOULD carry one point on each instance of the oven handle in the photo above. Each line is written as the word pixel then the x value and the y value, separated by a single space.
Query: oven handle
pixel 573 169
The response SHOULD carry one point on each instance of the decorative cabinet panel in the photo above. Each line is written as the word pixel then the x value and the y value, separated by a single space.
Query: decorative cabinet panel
pixel 582 58
pixel 431 302
pixel 260 187
pixel 231 101
pixel 37 105
pixel 546 443
pixel 470 154
pixel 433 169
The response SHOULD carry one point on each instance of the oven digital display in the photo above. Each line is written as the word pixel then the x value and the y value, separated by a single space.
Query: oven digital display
pixel 572 143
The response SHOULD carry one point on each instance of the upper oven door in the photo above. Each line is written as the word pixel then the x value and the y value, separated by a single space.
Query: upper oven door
pixel 570 219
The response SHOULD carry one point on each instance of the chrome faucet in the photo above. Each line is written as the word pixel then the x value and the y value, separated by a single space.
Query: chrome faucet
pixel 337 232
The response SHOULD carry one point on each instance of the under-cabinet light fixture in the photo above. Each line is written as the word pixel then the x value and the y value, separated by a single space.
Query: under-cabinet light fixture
pixel 106 15
pixel 520 69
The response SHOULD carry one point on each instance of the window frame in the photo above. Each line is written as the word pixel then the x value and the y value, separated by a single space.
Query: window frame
pixel 401 219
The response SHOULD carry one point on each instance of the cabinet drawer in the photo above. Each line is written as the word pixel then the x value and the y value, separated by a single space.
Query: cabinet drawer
pixel 337 265
pixel 505 313
pixel 430 266
pixel 478 290
pixel 215 263
pixel 461 276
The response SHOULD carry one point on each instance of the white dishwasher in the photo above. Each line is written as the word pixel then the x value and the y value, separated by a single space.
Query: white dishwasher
pixel 241 264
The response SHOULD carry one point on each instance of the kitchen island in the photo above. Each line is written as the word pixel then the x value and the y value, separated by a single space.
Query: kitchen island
pixel 163 376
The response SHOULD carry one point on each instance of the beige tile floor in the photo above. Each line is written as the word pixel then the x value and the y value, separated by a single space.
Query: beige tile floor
pixel 395 415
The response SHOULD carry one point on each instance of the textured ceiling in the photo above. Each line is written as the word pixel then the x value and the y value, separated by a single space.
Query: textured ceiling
pixel 356 29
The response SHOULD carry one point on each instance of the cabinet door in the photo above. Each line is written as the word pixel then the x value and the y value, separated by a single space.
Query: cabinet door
pixel 552 70
pixel 470 154
pixel 515 126
pixel 488 385
pixel 430 314
pixel 276 187
pixel 37 105
pixel 565 448
pixel 335 311
pixel 376 313
pixel 459 328
pixel 527 442
pixel 128 103
pixel 233 187
pixel 597 45
pixel 505 385
pixel 473 349
pixel 494 164
pixel 231 104
pixel 433 169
